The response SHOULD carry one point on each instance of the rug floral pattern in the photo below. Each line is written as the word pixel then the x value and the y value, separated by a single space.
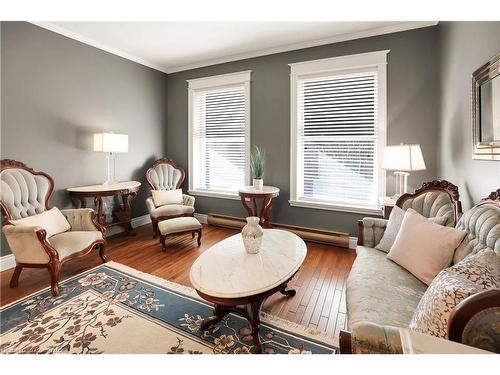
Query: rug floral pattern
pixel 106 310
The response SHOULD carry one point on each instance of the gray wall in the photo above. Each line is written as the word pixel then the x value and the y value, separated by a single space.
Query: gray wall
pixel 412 115
pixel 465 46
pixel 56 92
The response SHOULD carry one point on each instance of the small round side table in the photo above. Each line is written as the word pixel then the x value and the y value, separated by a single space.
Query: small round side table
pixel 267 194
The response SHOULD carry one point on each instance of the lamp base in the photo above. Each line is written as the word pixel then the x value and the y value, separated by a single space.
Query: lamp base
pixel 110 182
pixel 401 183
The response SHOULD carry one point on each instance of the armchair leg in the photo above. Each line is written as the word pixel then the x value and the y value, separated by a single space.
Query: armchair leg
pixel 103 256
pixel 154 222
pixel 199 237
pixel 54 269
pixel 15 276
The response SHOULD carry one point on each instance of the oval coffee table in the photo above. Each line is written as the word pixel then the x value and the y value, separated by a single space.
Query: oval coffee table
pixel 238 282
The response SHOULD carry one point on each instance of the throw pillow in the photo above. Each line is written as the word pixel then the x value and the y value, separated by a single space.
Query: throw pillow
pixel 433 311
pixel 53 221
pixel 163 197
pixel 424 248
pixel 394 224
pixel 483 269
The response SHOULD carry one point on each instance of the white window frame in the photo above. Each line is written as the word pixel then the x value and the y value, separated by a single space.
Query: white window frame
pixel 217 82
pixel 341 64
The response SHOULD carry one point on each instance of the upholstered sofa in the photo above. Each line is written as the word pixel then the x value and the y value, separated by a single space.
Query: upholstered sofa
pixel 381 296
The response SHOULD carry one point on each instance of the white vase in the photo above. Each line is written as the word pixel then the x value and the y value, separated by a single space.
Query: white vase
pixel 258 183
pixel 252 235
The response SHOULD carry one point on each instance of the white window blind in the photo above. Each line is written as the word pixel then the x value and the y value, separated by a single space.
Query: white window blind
pixel 337 138
pixel 219 138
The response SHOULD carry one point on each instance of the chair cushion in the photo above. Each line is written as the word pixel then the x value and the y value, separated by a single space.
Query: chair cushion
pixel 178 224
pixel 424 248
pixel 163 197
pixel 172 209
pixel 380 291
pixel 68 243
pixel 53 221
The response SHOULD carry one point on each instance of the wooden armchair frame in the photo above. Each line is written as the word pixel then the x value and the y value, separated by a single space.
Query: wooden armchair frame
pixel 55 263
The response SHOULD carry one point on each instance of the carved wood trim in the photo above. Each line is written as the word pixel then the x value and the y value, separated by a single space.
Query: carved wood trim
pixel 14 164
pixel 440 185
pixel 170 162
pixel 465 311
pixel 494 196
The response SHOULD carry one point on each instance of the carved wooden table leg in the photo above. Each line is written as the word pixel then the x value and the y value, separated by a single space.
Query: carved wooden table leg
pixel 101 217
pixel 287 292
pixel 253 311
pixel 219 314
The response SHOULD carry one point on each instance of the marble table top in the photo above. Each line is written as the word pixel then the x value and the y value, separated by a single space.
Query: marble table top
pixel 100 188
pixel 265 190
pixel 226 270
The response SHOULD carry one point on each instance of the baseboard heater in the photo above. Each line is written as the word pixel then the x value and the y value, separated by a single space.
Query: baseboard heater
pixel 315 235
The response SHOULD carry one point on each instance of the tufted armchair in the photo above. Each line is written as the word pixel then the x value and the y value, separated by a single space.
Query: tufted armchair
pixel 26 193
pixel 164 174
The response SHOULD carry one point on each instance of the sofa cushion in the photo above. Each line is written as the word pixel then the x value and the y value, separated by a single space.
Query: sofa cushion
pixel 424 248
pixel 71 242
pixel 380 291
pixel 394 224
pixel 172 209
pixel 470 276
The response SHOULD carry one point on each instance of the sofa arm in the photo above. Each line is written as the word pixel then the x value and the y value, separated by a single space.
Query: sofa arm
pixel 82 219
pixel 27 243
pixel 188 200
pixel 372 338
pixel 370 231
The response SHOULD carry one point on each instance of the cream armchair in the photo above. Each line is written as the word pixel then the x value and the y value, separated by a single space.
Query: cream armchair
pixel 26 193
pixel 164 174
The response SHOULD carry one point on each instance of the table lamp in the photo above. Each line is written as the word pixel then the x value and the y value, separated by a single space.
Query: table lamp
pixel 110 143
pixel 403 159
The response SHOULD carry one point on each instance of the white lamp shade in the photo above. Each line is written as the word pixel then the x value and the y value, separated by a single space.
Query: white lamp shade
pixel 110 142
pixel 403 158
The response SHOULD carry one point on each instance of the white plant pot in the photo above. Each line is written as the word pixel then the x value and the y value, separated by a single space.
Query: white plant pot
pixel 258 183
pixel 252 235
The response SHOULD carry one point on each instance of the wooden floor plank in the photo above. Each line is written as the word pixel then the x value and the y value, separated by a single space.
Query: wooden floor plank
pixel 320 283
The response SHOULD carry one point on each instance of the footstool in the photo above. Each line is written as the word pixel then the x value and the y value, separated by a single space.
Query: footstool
pixel 179 225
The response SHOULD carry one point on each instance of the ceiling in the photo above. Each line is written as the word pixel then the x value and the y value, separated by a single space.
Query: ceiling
pixel 176 46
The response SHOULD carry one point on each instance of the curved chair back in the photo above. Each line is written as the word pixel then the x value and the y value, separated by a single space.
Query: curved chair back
pixel 482 224
pixel 434 198
pixel 164 174
pixel 23 192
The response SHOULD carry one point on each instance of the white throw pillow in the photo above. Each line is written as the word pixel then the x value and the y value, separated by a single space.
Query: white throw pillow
pixel 424 248
pixel 163 197
pixel 393 225
pixel 53 221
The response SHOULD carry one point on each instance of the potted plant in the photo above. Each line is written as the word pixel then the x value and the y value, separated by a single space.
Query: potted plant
pixel 257 160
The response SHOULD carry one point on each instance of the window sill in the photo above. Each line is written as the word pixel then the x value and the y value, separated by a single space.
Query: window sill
pixel 215 194
pixel 336 207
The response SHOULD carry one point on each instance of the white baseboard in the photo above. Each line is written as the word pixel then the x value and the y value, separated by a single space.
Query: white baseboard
pixel 7 262
pixel 353 242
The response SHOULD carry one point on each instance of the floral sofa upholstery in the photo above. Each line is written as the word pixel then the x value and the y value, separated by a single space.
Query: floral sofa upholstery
pixel 382 296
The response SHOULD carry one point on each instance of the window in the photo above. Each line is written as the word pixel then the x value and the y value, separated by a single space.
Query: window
pixel 219 134
pixel 338 132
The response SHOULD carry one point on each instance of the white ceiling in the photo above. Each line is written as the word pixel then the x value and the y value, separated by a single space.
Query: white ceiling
pixel 176 46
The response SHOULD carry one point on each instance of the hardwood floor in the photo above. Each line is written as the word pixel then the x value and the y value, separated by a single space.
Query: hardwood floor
pixel 320 283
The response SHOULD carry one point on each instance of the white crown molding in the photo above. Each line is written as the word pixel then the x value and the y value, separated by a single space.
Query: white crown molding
pixel 313 43
pixel 404 26
pixel 72 35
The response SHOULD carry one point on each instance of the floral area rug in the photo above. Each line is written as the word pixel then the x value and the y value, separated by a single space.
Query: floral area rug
pixel 116 309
